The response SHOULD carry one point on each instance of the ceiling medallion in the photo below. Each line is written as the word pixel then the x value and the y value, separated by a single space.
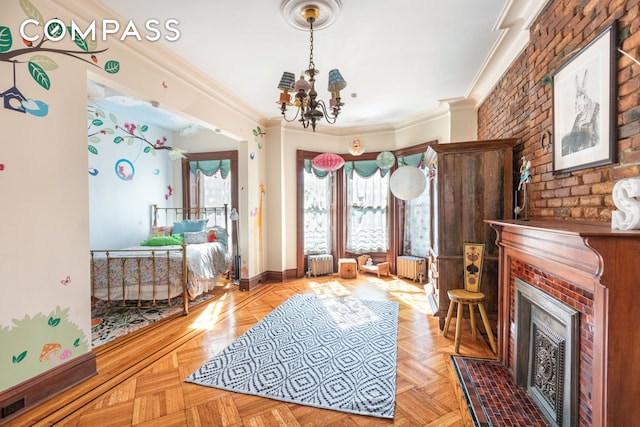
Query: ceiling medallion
pixel 292 12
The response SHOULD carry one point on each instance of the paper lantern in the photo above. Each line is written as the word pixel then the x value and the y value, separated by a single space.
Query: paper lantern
pixel 328 162
pixel 356 148
pixel 407 182
pixel 385 160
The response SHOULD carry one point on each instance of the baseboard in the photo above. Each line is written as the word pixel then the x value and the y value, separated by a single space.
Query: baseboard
pixel 249 284
pixel 48 384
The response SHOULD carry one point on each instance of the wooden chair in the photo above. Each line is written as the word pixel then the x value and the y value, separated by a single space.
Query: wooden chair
pixel 470 295
pixel 380 268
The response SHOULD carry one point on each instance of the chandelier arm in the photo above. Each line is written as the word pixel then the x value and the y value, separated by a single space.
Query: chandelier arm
pixel 330 118
pixel 284 116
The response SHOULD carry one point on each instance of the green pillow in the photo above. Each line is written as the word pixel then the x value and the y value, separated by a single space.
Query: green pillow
pixel 161 241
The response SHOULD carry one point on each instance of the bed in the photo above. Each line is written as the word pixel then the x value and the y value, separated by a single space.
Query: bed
pixel 185 255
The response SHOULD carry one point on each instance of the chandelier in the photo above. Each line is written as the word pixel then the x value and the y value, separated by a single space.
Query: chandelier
pixel 309 109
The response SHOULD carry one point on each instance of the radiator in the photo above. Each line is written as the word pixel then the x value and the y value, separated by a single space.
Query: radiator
pixel 320 264
pixel 412 267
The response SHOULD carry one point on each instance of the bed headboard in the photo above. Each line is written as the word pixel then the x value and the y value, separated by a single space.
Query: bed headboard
pixel 217 215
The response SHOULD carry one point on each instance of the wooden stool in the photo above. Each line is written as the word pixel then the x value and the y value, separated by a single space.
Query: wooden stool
pixel 348 268
pixel 470 295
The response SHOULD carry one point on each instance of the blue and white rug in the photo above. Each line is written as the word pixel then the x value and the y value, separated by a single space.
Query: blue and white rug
pixel 332 353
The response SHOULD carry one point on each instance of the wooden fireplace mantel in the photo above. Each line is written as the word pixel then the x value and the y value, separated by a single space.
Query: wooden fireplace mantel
pixel 602 261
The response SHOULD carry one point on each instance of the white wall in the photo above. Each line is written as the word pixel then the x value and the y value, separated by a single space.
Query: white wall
pixel 120 209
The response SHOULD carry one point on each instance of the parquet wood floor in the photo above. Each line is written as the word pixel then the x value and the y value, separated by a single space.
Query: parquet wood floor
pixel 141 376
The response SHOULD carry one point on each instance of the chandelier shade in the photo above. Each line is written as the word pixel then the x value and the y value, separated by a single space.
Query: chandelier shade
pixel 407 182
pixel 286 81
pixel 309 109
pixel 385 160
pixel 336 81
pixel 286 84
pixel 328 162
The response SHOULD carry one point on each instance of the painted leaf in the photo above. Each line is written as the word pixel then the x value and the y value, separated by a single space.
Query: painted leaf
pixel 54 29
pixel 54 322
pixel 94 140
pixel 79 41
pixel 76 343
pixel 44 62
pixel 153 152
pixel 93 150
pixel 144 128
pixel 108 131
pixel 39 75
pixel 113 118
pixel 100 112
pixel 92 44
pixel 31 11
pixel 19 358
pixel 112 67
pixel 147 149
pixel 117 139
pixel 130 141
pixel 97 122
pixel 5 39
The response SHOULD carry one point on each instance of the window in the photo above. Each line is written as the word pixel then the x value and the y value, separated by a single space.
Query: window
pixel 418 227
pixel 209 183
pixel 417 224
pixel 211 179
pixel 352 211
pixel 367 212
pixel 317 213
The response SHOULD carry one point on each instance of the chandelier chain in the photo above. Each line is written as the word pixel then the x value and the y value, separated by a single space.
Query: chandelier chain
pixel 311 63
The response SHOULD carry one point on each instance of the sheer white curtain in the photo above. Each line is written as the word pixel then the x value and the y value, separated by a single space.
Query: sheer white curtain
pixel 209 190
pixel 317 214
pixel 367 213
pixel 417 223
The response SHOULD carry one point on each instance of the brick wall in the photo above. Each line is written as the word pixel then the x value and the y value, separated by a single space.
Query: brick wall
pixel 520 106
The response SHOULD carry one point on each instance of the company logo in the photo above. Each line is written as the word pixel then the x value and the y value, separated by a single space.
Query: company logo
pixel 55 30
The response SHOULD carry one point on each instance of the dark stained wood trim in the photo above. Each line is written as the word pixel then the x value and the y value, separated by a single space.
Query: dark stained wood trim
pixel 49 384
pixel 214 155
pixel 396 210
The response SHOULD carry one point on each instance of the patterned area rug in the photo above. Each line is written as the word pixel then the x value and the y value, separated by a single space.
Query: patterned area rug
pixel 110 323
pixel 325 352
pixel 493 398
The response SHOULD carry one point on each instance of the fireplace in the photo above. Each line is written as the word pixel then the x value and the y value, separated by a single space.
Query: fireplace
pixel 545 352
pixel 588 272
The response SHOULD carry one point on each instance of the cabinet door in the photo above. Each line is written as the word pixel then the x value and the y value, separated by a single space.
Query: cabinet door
pixel 475 181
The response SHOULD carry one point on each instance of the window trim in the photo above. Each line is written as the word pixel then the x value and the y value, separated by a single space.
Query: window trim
pixel 396 209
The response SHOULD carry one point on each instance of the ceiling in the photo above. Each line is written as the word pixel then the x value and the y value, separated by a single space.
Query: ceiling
pixel 400 59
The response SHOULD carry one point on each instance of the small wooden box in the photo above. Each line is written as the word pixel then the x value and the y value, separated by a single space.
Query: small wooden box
pixel 348 268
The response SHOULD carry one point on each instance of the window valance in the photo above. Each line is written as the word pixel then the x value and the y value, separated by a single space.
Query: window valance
pixel 416 160
pixel 210 167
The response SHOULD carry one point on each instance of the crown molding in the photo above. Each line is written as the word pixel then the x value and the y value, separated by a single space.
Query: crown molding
pixel 514 23
pixel 156 54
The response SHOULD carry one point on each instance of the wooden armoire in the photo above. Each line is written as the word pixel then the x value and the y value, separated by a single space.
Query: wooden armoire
pixel 473 183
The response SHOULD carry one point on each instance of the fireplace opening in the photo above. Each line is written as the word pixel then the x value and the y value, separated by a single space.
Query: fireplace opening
pixel 546 352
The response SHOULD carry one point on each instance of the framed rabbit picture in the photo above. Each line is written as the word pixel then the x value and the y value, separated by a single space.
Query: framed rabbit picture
pixel 584 107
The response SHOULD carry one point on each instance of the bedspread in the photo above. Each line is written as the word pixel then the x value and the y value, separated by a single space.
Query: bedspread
pixel 141 264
